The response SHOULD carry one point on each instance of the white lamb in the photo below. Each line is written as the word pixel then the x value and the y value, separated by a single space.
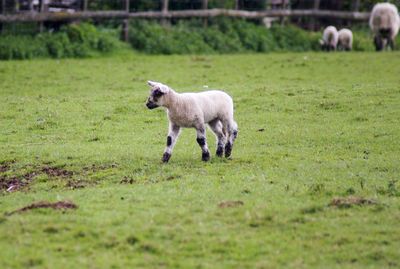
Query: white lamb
pixel 329 38
pixel 384 22
pixel 345 39
pixel 195 110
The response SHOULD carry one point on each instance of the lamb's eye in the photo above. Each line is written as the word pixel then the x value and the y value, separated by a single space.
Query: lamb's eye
pixel 157 93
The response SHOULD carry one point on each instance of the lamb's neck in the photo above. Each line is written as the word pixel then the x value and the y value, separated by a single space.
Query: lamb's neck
pixel 173 100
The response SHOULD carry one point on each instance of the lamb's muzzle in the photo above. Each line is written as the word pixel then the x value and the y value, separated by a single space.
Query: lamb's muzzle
pixel 151 105
pixel 196 110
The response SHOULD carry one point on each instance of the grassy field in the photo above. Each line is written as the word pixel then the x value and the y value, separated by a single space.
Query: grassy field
pixel 315 130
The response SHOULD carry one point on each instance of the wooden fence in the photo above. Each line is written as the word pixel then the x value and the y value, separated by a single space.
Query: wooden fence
pixel 164 14
pixel 208 13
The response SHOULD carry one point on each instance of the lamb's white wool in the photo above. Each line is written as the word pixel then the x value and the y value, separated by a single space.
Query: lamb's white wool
pixel 195 110
pixel 345 39
pixel 330 38
pixel 384 22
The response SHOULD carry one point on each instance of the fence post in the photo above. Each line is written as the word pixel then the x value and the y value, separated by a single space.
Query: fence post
pixel 205 7
pixel 164 11
pixel 236 4
pixel 3 12
pixel 125 23
pixel 356 6
pixel 42 9
pixel 30 3
pixel 313 25
pixel 85 5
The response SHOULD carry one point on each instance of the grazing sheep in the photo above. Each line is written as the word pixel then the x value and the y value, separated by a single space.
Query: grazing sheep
pixel 345 40
pixel 329 38
pixel 384 23
pixel 195 110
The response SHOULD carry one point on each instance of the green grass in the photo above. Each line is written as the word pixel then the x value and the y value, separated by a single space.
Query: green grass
pixel 312 127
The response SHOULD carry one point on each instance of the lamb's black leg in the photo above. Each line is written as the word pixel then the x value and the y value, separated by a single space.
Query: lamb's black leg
pixel 216 127
pixel 171 140
pixel 202 141
pixel 232 134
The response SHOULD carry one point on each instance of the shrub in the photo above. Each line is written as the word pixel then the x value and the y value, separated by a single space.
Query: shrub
pixel 21 47
pixel 76 40
pixel 291 38
pixel 223 35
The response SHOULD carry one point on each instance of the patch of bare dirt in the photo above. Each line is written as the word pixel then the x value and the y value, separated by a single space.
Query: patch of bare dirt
pixel 127 180
pixel 5 166
pixel 14 183
pixel 61 205
pixel 96 167
pixel 345 202
pixel 11 183
pixel 78 184
pixel 56 171
pixel 226 204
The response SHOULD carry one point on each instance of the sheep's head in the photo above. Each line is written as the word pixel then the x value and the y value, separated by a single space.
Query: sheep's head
pixel 157 94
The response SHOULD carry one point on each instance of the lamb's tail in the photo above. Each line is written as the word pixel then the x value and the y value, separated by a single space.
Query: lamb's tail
pixel 235 129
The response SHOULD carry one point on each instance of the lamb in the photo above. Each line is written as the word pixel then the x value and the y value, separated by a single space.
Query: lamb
pixel 329 38
pixel 195 110
pixel 345 39
pixel 384 23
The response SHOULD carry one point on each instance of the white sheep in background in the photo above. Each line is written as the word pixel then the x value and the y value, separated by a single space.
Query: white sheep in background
pixel 384 22
pixel 345 39
pixel 195 110
pixel 329 38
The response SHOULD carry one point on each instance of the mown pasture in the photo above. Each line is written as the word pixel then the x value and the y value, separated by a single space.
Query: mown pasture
pixel 313 181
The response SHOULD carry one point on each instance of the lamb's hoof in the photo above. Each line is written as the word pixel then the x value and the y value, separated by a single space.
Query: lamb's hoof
pixel 165 157
pixel 205 156
pixel 228 150
pixel 220 151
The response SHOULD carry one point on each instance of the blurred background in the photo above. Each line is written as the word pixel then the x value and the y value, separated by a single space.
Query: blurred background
pixel 80 28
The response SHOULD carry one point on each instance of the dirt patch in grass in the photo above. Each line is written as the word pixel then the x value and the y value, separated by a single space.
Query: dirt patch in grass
pixel 346 202
pixel 226 204
pixel 13 183
pixel 76 184
pixel 61 205
pixel 127 180
pixel 56 172
pixel 5 166
pixel 96 167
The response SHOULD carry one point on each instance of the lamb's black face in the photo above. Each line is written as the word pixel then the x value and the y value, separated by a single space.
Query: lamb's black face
pixel 154 99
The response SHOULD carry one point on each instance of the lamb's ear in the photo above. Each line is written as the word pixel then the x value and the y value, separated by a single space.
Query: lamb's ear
pixel 163 88
pixel 152 83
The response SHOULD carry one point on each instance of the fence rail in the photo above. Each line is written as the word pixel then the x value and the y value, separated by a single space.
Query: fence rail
pixel 205 13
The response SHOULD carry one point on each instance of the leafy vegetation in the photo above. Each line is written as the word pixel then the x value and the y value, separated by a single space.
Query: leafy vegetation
pixel 221 36
pixel 75 40
pixel 313 181
pixel 230 36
